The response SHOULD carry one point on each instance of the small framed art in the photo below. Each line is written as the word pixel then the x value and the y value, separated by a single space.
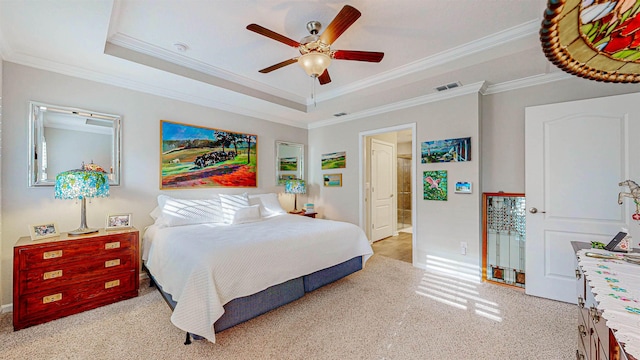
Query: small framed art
pixel 463 187
pixel 43 231
pixel 332 180
pixel 118 221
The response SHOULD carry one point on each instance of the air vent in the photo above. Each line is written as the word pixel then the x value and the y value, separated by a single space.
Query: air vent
pixel 448 86
pixel 340 114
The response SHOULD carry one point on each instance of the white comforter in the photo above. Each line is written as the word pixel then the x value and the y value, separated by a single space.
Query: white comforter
pixel 205 266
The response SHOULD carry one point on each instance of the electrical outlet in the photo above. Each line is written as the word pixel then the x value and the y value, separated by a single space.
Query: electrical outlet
pixel 463 248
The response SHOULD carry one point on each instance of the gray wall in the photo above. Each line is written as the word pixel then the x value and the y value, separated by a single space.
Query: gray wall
pixel 440 225
pixel 141 115
pixel 497 163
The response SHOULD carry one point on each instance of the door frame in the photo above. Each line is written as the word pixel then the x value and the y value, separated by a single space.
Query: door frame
pixel 363 223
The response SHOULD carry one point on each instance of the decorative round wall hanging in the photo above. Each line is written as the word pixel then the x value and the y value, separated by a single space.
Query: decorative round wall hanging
pixel 594 39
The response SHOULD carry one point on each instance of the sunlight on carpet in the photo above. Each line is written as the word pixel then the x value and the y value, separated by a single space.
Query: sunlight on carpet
pixel 456 284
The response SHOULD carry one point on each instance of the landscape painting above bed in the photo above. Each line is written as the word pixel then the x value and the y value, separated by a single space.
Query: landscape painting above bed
pixel 196 157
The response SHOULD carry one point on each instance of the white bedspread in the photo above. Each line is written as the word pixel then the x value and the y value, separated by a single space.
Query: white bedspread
pixel 205 266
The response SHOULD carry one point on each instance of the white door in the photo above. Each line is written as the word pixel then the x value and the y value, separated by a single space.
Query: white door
pixel 382 189
pixel 576 153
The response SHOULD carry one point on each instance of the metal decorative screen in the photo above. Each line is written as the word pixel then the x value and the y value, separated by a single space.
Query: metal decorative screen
pixel 503 243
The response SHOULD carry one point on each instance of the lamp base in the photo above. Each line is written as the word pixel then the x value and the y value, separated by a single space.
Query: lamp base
pixel 82 231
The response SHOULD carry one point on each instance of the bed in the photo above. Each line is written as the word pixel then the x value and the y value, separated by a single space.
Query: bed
pixel 219 262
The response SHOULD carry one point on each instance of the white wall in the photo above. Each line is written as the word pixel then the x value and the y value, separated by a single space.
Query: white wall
pixel 141 114
pixel 440 225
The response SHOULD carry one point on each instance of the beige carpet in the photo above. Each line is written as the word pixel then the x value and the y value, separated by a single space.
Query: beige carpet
pixel 390 310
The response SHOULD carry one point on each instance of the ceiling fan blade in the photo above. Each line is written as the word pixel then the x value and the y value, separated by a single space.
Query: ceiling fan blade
pixel 345 18
pixel 324 78
pixel 272 34
pixel 371 56
pixel 279 65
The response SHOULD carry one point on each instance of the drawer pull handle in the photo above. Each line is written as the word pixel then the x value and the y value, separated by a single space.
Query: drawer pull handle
pixel 52 298
pixel 52 254
pixel 112 245
pixel 110 284
pixel 582 330
pixel 112 263
pixel 52 274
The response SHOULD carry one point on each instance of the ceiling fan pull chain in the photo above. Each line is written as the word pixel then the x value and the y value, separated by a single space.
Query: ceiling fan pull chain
pixel 313 90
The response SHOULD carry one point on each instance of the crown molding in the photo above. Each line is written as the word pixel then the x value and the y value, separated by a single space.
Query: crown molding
pixel 142 47
pixel 109 79
pixel 460 52
pixel 527 82
pixel 474 88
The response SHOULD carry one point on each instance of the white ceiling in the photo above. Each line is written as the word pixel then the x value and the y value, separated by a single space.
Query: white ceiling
pixel 130 43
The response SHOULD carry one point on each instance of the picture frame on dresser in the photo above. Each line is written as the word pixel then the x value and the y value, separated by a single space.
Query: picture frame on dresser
pixel 118 221
pixel 43 231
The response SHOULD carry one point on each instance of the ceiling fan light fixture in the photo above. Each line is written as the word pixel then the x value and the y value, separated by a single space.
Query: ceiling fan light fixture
pixel 314 63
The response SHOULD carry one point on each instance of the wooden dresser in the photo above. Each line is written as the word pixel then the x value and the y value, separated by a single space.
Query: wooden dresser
pixel 66 275
pixel 595 340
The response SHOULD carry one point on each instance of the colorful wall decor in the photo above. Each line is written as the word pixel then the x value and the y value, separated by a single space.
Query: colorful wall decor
pixel 446 150
pixel 200 157
pixel 289 164
pixel 463 187
pixel 332 180
pixel 435 185
pixel 335 160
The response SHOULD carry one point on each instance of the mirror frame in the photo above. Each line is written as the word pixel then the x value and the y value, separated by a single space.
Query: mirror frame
pixel 300 171
pixel 36 129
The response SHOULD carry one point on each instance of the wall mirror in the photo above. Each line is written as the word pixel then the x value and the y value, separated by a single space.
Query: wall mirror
pixel 289 161
pixel 62 138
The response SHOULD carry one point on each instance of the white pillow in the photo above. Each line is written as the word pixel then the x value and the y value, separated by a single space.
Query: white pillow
pixel 176 212
pixel 246 214
pixel 231 203
pixel 269 204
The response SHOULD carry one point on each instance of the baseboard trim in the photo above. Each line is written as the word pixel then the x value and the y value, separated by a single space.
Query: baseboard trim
pixel 6 308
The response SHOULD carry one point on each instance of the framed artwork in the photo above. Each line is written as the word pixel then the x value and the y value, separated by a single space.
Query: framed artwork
pixel 446 150
pixel 289 164
pixel 43 231
pixel 335 160
pixel 201 157
pixel 463 187
pixel 118 221
pixel 282 179
pixel 332 180
pixel 435 185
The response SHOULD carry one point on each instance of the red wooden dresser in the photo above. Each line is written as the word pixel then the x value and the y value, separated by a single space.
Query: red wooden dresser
pixel 66 275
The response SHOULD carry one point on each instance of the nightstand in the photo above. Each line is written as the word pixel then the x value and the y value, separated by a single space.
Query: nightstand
pixel 311 215
pixel 65 275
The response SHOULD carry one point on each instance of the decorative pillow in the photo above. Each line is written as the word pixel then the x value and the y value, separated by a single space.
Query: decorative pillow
pixel 269 204
pixel 231 203
pixel 246 214
pixel 176 212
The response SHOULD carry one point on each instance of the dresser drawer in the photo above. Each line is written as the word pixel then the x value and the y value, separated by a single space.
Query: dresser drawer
pixel 51 276
pixel 67 275
pixel 71 250
pixel 58 302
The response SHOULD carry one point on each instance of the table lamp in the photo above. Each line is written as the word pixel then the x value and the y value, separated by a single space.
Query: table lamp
pixel 295 187
pixel 82 184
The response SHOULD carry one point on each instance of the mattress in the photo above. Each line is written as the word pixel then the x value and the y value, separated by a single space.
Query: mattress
pixel 205 266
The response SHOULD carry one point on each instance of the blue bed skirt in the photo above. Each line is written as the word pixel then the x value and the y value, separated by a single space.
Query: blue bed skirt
pixel 245 308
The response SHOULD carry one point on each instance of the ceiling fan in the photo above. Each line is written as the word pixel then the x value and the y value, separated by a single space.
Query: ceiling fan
pixel 315 50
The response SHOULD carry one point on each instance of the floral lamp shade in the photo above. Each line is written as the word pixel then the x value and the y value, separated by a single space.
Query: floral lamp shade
pixel 295 187
pixel 80 184
pixel 594 39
